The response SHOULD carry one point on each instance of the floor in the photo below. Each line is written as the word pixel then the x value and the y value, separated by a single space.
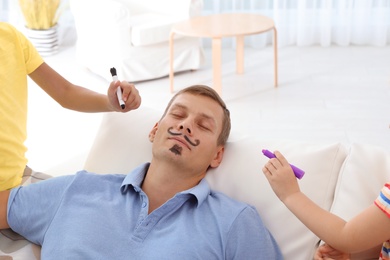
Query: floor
pixel 334 94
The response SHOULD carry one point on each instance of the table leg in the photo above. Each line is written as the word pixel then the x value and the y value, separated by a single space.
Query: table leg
pixel 171 56
pixel 240 54
pixel 216 60
pixel 275 57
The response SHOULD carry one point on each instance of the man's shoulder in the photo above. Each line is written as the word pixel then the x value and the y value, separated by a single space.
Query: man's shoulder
pixel 81 179
pixel 232 213
pixel 84 175
pixel 219 199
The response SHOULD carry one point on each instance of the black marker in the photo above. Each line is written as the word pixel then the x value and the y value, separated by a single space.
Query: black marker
pixel 118 90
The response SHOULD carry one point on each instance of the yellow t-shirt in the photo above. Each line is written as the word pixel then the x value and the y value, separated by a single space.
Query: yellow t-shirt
pixel 18 58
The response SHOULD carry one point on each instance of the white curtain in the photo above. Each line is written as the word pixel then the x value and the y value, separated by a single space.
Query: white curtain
pixel 314 22
pixel 3 10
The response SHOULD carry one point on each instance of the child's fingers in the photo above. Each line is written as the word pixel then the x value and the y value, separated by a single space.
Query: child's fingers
pixel 281 158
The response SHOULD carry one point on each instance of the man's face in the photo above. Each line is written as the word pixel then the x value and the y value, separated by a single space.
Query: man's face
pixel 188 133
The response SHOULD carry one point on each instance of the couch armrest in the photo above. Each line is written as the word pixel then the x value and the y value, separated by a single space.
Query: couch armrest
pixel 106 13
pixel 101 21
pixel 100 24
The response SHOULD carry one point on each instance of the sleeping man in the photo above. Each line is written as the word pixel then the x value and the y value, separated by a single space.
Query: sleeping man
pixel 164 209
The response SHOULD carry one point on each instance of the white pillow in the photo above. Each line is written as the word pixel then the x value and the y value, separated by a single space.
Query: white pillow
pixel 122 141
pixel 365 171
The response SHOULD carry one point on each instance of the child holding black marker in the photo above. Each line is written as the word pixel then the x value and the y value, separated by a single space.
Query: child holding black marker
pixel 365 231
pixel 20 59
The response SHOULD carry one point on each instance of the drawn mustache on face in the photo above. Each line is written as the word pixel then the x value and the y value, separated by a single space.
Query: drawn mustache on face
pixel 195 143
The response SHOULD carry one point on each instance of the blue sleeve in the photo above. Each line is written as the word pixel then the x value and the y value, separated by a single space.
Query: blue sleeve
pixel 31 208
pixel 250 239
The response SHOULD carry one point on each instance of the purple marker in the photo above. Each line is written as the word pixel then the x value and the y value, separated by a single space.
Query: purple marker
pixel 298 172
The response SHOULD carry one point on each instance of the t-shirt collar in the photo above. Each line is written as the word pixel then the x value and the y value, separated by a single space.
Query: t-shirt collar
pixel 135 178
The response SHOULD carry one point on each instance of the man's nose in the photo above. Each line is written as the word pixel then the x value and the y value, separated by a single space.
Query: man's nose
pixel 185 128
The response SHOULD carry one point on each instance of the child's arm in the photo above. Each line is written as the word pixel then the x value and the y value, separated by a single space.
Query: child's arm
pixel 368 229
pixel 81 99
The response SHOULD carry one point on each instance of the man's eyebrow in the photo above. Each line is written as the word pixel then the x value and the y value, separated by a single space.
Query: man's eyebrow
pixel 178 105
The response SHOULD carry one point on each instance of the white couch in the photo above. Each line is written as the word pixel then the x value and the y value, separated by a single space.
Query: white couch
pixel 342 179
pixel 133 37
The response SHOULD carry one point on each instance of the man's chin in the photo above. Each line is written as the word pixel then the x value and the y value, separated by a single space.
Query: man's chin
pixel 176 150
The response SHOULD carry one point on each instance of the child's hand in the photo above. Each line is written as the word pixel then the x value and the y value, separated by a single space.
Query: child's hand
pixel 130 96
pixel 280 176
pixel 326 252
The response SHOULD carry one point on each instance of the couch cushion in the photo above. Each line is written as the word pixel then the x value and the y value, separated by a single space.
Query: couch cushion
pixel 122 143
pixel 365 171
pixel 151 28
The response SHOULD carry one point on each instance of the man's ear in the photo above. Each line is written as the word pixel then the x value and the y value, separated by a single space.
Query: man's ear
pixel 218 157
pixel 152 133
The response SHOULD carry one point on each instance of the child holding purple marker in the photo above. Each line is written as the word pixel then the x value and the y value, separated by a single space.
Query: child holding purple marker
pixel 298 172
pixel 344 240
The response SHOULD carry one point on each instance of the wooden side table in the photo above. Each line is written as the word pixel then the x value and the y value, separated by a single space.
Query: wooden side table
pixel 224 25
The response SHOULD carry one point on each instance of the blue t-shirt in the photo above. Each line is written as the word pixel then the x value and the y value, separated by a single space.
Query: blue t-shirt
pixel 91 216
